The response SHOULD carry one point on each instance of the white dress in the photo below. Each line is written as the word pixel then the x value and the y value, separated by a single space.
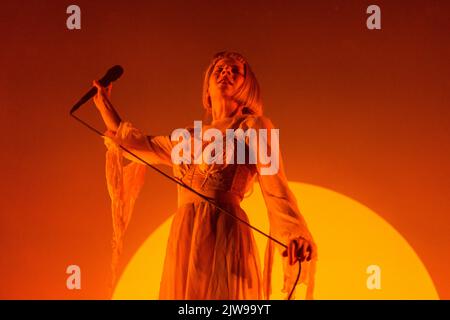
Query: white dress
pixel 209 254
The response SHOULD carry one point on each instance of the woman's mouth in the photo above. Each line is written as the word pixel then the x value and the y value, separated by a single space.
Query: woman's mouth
pixel 225 81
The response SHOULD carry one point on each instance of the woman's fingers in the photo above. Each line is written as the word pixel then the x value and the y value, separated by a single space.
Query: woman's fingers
pixel 97 97
pixel 106 91
pixel 109 89
pixel 101 99
pixel 293 249
pixel 298 249
pixel 305 251
pixel 300 253
pixel 98 86
pixel 310 252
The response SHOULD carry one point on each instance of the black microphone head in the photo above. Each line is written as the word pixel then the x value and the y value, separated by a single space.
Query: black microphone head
pixel 111 75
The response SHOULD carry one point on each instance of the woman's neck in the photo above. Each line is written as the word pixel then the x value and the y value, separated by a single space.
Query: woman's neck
pixel 224 108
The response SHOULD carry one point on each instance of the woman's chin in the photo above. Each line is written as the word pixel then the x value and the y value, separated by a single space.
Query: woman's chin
pixel 226 92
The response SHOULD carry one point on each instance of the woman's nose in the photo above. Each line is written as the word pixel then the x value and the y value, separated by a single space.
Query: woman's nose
pixel 226 70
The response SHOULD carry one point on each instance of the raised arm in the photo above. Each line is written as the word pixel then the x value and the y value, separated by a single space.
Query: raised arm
pixel 152 149
pixel 107 111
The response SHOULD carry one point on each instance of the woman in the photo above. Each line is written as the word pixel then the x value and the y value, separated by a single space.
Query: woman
pixel 211 255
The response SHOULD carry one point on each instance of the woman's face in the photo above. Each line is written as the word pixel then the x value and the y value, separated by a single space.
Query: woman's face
pixel 226 78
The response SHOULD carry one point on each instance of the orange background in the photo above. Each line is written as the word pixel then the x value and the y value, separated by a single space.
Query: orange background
pixel 364 113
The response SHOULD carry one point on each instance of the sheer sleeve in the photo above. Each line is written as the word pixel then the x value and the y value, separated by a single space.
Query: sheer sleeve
pixel 286 221
pixel 153 149
pixel 124 181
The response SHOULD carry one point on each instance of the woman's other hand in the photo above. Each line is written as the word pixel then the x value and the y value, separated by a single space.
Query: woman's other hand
pixel 299 249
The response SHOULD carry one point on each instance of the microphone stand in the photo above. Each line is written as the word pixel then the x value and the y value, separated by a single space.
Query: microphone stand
pixel 180 183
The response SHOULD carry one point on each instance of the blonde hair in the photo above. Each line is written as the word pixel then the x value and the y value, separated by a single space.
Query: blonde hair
pixel 248 95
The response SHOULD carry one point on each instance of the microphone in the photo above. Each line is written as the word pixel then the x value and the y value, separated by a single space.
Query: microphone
pixel 111 75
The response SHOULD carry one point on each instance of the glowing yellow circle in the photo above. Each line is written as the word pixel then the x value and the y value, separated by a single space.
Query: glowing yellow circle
pixel 350 238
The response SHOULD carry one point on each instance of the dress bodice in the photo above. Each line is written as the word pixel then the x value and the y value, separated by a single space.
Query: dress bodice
pixel 203 177
pixel 234 178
